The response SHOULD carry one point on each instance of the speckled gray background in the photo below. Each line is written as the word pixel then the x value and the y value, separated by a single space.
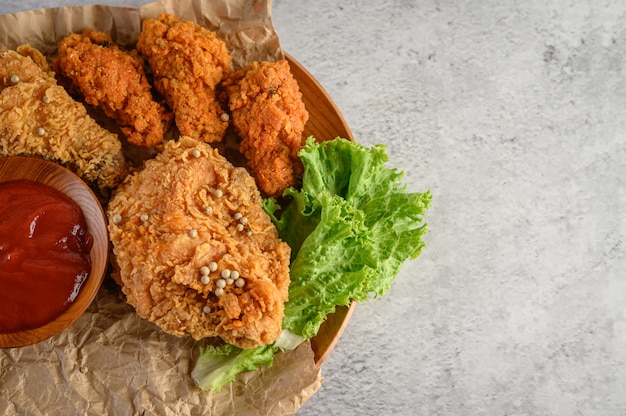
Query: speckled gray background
pixel 513 115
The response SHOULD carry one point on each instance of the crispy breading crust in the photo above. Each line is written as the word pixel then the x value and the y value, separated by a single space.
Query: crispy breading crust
pixel 269 115
pixel 191 198
pixel 115 81
pixel 39 118
pixel 187 61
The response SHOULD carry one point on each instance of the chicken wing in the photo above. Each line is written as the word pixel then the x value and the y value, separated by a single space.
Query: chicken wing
pixel 188 61
pixel 115 81
pixel 38 117
pixel 269 115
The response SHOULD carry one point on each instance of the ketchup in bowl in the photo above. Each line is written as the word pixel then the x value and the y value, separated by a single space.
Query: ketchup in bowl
pixel 44 254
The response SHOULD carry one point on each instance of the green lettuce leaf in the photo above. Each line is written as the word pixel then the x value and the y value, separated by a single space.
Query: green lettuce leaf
pixel 351 227
pixel 218 366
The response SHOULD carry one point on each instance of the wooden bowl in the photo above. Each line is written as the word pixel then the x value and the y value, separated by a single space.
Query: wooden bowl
pixel 325 123
pixel 52 174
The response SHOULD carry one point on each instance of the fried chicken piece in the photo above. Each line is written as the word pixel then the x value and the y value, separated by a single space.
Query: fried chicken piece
pixel 188 61
pixel 269 115
pixel 195 251
pixel 39 118
pixel 115 81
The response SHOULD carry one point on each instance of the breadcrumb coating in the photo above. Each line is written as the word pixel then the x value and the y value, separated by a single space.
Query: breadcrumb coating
pixel 187 61
pixel 115 81
pixel 39 118
pixel 269 115
pixel 195 251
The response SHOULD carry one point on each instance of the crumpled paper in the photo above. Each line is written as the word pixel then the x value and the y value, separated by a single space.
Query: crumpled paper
pixel 110 361
pixel 245 26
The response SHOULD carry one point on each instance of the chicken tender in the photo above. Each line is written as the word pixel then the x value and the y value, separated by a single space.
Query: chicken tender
pixel 269 115
pixel 195 251
pixel 113 80
pixel 188 61
pixel 39 118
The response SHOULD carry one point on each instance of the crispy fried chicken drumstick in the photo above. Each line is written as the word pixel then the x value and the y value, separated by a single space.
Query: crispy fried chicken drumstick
pixel 269 115
pixel 39 118
pixel 113 80
pixel 188 61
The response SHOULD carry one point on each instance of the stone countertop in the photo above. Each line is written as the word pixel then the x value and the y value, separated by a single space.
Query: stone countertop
pixel 513 115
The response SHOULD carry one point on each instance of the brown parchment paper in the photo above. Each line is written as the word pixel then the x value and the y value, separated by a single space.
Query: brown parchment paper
pixel 111 362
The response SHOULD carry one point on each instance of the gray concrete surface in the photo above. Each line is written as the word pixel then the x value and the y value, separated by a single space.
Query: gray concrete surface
pixel 512 114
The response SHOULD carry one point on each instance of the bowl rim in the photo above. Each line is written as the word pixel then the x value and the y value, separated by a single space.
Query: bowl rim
pixel 91 287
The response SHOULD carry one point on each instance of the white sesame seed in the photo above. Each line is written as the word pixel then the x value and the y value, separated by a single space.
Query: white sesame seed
pixel 240 227
pixel 15 79
pixel 249 232
pixel 220 283
pixel 225 273
pixel 204 271
pixel 205 279
pixel 230 281
pixel 193 233
pixel 144 217
pixel 195 153
pixel 225 117
pixel 213 266
pixel 219 291
pixel 45 99
pixel 40 131
pixel 206 309
pixel 84 370
pixel 208 210
pixel 238 216
pixel 117 218
pixel 234 274
pixel 219 193
pixel 240 282
pixel 244 220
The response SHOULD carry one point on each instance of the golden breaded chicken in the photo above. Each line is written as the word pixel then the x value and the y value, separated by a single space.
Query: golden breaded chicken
pixel 113 80
pixel 38 117
pixel 188 61
pixel 269 115
pixel 195 251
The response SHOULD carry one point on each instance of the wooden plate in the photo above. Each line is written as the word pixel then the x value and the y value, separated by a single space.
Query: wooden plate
pixel 52 174
pixel 325 123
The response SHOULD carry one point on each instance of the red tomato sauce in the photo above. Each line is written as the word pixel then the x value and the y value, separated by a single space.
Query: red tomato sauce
pixel 44 254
